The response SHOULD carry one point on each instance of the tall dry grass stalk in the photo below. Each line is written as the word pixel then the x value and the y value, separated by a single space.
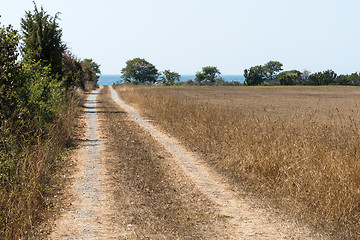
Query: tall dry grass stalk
pixel 298 146
pixel 31 167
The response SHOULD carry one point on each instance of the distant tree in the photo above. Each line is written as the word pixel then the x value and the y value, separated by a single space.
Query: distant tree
pixel 355 79
pixel 139 70
pixel 93 65
pixel 323 78
pixel 329 77
pixel 271 69
pixel 352 79
pixel 344 80
pixel 42 39
pixel 315 79
pixel 169 78
pixel 77 72
pixel 292 77
pixel 91 72
pixel 208 75
pixel 305 77
pixel 254 75
pixel 73 74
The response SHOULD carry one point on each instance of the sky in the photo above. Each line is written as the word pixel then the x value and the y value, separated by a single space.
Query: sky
pixel 186 35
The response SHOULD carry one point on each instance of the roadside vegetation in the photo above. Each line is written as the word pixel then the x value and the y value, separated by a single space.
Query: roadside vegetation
pixel 38 105
pixel 298 146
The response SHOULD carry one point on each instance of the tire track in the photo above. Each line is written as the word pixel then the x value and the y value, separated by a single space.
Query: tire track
pixel 89 214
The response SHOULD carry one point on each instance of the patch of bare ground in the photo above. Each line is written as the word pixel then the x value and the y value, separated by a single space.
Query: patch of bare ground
pixel 153 199
pixel 245 217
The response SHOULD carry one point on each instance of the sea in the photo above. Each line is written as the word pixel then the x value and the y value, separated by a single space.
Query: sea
pixel 114 79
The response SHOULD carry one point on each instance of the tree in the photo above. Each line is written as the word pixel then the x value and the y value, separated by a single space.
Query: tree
pixel 292 77
pixel 328 77
pixel 77 72
pixel 91 72
pixel 93 65
pixel 323 78
pixel 254 75
pixel 9 72
pixel 259 74
pixel 305 75
pixel 72 71
pixel 169 78
pixel 271 69
pixel 42 39
pixel 352 79
pixel 139 70
pixel 208 75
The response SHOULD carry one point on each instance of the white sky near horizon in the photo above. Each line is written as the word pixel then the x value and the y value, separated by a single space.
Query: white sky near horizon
pixel 186 35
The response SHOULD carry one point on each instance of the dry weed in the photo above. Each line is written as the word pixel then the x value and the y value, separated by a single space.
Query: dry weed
pixel 24 189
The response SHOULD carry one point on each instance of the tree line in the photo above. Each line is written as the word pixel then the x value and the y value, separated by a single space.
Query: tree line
pixel 271 74
pixel 140 71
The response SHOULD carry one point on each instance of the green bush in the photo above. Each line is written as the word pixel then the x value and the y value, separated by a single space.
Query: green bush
pixel 44 94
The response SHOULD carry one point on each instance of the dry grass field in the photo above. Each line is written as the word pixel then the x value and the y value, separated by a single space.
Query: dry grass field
pixel 298 146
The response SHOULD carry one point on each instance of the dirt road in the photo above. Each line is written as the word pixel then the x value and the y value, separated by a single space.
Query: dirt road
pixel 89 199
pixel 135 182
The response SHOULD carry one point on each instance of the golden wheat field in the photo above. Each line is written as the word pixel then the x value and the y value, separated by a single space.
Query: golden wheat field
pixel 299 146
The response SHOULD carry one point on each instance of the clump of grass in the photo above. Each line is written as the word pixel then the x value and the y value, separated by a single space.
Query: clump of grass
pixel 299 146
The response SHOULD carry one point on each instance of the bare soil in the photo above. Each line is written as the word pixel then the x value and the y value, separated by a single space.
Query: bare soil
pixel 133 181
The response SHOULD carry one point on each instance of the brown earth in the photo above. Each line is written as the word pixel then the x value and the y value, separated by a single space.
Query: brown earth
pixel 134 182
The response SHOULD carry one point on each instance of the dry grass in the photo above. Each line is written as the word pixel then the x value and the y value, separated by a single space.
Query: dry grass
pixel 32 168
pixel 297 145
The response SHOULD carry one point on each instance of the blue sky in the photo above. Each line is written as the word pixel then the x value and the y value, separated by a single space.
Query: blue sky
pixel 186 35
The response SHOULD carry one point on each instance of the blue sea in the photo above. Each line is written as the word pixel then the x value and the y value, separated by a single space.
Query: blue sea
pixel 113 79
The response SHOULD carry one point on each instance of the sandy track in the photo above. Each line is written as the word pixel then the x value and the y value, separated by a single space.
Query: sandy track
pixel 89 211
pixel 245 220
